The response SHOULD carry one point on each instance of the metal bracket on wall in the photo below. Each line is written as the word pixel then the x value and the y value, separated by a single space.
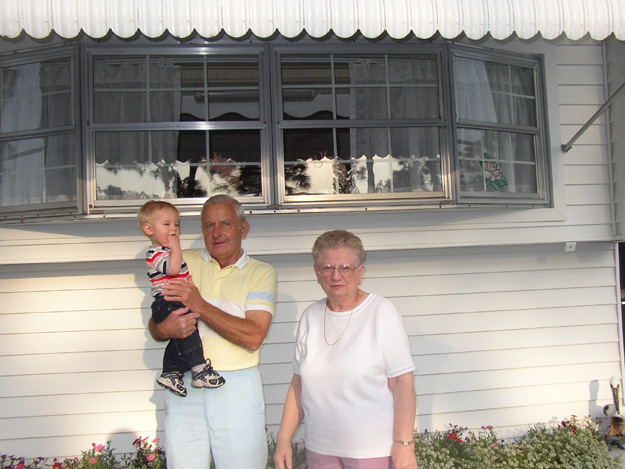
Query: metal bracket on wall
pixel 567 146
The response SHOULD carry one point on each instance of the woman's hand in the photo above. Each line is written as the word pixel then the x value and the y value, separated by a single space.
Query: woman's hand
pixel 404 403
pixel 283 455
pixel 403 457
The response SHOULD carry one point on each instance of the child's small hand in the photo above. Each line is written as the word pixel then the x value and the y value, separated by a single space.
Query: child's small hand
pixel 173 241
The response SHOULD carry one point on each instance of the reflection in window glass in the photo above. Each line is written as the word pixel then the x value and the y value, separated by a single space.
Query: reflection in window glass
pixel 173 164
pixel 374 160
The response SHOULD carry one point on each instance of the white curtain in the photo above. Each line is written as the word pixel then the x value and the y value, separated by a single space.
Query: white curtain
pixel 37 170
pixel 502 94
pixel 22 160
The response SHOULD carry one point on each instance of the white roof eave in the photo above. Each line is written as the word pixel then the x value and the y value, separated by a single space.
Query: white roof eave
pixel 263 18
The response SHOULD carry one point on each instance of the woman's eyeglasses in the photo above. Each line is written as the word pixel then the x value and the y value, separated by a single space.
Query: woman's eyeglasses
pixel 345 270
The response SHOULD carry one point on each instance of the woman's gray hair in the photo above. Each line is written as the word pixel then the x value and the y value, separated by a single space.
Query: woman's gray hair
pixel 220 199
pixel 337 239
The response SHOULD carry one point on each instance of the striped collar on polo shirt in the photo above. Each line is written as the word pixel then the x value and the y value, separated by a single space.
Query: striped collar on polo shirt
pixel 239 264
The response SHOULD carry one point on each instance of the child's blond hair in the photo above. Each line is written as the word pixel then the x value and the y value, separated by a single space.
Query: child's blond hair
pixel 144 215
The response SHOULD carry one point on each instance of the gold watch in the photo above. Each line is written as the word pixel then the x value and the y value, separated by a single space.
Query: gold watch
pixel 404 442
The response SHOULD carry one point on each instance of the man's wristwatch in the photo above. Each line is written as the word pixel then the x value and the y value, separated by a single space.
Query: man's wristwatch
pixel 404 442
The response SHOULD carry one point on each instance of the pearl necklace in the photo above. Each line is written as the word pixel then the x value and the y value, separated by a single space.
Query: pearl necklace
pixel 344 329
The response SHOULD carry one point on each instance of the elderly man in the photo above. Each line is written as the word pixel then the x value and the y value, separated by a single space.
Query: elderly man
pixel 233 295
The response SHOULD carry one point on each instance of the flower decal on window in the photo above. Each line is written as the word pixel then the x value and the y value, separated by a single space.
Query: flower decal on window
pixel 493 174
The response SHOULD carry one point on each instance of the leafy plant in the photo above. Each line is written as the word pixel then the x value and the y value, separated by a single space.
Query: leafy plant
pixel 148 456
pixel 570 444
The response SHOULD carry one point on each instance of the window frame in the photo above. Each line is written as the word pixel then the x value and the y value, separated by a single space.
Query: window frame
pixel 58 208
pixel 367 200
pixel 92 128
pixel 543 197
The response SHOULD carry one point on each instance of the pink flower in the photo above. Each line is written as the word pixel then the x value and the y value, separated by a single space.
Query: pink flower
pixel 155 440
pixel 99 448
pixel 151 457
pixel 493 171
pixel 93 460
pixel 57 465
pixel 20 466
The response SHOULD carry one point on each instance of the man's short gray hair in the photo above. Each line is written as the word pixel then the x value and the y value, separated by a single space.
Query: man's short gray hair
pixel 220 199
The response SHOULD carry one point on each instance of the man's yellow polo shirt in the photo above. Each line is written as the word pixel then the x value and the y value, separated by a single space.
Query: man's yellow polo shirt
pixel 244 286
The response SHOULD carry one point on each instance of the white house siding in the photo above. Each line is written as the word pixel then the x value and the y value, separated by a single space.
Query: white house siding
pixel 616 77
pixel 507 328
pixel 504 336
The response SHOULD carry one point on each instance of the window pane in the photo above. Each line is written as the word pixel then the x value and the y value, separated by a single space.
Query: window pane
pixel 56 87
pixel 497 93
pixel 175 88
pixel 173 164
pixel 36 96
pixel 308 70
pixel 366 158
pixel 38 170
pixel 234 163
pixel 497 162
pixel 221 88
pixel 119 93
pixel 372 160
pixel 383 86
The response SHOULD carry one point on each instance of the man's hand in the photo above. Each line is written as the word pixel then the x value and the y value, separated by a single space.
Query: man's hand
pixel 185 292
pixel 178 325
pixel 248 332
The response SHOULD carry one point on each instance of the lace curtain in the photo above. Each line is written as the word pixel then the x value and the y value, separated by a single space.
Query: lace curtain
pixel 397 159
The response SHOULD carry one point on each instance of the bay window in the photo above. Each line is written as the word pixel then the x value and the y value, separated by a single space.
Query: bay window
pixel 279 126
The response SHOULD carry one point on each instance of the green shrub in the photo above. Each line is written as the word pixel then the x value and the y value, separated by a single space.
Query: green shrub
pixel 571 444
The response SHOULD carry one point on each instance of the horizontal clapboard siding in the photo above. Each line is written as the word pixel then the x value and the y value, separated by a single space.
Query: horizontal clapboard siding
pixel 615 79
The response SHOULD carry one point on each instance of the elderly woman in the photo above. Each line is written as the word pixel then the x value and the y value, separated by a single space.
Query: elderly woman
pixel 353 383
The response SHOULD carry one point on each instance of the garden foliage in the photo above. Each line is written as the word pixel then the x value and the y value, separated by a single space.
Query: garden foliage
pixel 570 444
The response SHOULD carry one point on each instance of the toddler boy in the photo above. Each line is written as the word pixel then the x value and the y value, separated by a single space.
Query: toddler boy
pixel 160 221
